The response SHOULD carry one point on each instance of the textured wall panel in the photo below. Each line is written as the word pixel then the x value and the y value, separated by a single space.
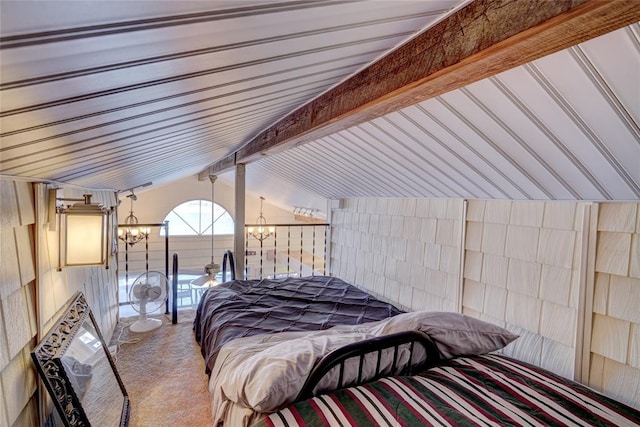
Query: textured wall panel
pixel 614 339
pixel 559 216
pixel 14 387
pixel 527 214
pixel 555 284
pixel 9 266
pixel 617 217
pixel 610 337
pixel 522 242
pixel 414 247
pixel 25 254
pixel 530 284
pixel 634 345
pixel 24 194
pixel 524 277
pixel 9 214
pixel 613 253
pixel 624 298
pixel 622 382
pixel 494 270
pixel 4 348
pixel 17 321
pixel 4 420
pixel 556 248
pixel 634 267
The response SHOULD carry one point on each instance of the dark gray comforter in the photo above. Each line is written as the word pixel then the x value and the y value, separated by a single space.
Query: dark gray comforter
pixel 243 308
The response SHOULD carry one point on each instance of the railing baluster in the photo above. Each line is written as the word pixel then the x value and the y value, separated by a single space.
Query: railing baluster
pixel 324 255
pixel 308 246
pixel 313 253
pixel 246 256
pixel 288 250
pixel 260 259
pixel 301 246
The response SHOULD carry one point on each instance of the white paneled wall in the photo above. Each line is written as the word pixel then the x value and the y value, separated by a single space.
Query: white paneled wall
pixel 523 265
pixel 615 341
pixel 405 250
pixel 521 272
pixel 29 307
pixel 18 403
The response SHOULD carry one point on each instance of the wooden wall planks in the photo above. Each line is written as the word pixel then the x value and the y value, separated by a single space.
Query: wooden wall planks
pixel 525 266
pixel 21 317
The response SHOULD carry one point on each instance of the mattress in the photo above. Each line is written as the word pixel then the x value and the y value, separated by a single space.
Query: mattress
pixel 490 390
pixel 243 308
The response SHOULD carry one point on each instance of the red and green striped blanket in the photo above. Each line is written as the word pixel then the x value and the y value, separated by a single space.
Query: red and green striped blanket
pixel 485 390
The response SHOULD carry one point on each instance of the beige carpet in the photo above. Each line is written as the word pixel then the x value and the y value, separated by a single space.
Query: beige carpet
pixel 163 372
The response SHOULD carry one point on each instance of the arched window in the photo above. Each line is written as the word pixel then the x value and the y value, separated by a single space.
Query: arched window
pixel 193 218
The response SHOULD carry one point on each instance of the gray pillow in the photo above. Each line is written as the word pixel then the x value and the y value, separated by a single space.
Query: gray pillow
pixel 454 334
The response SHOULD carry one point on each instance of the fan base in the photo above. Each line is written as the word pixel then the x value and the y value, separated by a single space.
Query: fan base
pixel 145 325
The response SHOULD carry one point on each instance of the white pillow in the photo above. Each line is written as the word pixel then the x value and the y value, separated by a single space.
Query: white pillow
pixel 453 333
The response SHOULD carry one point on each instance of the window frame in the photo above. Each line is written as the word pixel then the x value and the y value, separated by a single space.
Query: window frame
pixel 204 227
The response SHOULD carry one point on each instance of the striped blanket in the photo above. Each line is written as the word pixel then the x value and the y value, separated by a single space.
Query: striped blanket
pixel 485 390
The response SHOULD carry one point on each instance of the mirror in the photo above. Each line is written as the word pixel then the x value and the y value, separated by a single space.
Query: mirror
pixel 77 369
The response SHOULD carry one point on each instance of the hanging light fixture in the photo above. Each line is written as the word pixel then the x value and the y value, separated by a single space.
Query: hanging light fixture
pixel 211 269
pixel 129 232
pixel 85 230
pixel 261 231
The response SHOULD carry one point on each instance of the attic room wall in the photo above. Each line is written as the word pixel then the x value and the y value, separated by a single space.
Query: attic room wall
pixel 20 320
pixel 194 252
pixel 522 271
pixel 404 250
pixel 525 266
pixel 615 341
pixel 18 406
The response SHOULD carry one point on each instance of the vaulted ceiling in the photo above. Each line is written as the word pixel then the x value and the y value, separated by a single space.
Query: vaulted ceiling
pixel 337 98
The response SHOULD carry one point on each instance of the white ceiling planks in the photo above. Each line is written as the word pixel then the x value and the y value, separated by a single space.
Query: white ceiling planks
pixel 122 94
pixel 564 127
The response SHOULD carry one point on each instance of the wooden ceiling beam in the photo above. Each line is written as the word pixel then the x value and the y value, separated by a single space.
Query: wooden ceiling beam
pixel 480 40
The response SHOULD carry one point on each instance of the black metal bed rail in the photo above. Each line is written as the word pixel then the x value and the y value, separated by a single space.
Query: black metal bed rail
pixel 378 345
pixel 228 258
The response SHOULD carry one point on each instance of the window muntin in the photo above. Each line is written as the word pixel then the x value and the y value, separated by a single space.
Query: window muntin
pixel 193 218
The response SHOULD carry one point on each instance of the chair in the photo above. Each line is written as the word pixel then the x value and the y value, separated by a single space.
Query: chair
pixel 184 292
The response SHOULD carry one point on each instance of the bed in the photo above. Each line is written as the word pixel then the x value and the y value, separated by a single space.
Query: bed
pixel 318 351
pixel 491 390
pixel 243 308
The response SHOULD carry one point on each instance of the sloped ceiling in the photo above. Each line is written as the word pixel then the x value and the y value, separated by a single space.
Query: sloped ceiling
pixel 118 94
pixel 565 126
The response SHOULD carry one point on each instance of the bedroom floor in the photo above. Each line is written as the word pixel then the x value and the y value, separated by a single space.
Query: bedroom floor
pixel 163 373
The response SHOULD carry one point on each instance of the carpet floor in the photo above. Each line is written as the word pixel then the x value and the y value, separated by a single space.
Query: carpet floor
pixel 163 373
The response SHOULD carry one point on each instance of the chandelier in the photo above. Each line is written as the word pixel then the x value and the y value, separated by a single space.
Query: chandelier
pixel 130 233
pixel 261 232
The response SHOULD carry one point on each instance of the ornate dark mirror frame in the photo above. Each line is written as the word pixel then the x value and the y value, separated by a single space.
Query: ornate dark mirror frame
pixel 48 358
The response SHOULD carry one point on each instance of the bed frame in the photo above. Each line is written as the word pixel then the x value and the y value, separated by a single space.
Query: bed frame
pixel 361 349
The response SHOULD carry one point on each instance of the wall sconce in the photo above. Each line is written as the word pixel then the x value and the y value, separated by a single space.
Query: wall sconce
pixel 84 231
